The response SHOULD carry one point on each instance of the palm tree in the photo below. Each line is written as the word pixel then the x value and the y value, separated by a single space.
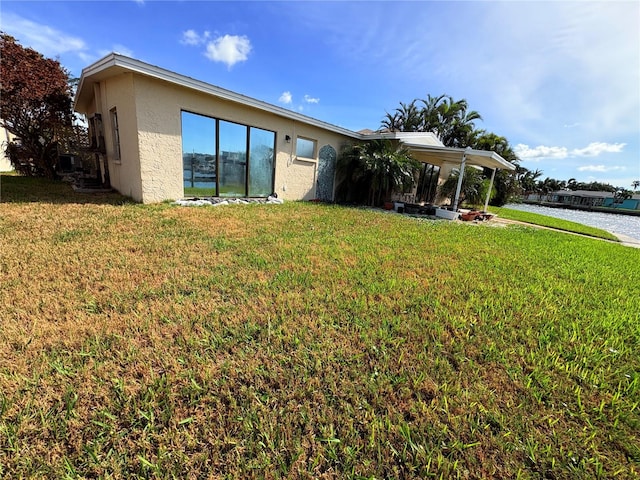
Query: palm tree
pixel 528 179
pixel 450 120
pixel 406 118
pixel 473 190
pixel 393 123
pixel 635 185
pixel 377 167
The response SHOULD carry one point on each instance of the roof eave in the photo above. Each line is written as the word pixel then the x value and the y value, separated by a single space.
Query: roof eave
pixel 115 60
pixel 500 162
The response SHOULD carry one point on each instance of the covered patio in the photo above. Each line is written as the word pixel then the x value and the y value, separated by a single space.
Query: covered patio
pixel 459 158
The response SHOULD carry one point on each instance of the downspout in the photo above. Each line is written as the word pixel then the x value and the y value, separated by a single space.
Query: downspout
pixel 460 177
pixel 486 202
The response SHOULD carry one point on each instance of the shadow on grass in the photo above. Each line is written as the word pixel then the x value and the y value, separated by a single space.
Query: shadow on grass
pixel 18 189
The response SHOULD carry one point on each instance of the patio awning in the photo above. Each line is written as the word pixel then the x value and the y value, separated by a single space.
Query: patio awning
pixel 436 155
pixel 440 155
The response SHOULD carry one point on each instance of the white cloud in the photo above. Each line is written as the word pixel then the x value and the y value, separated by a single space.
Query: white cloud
pixel 229 49
pixel 310 99
pixel 285 98
pixel 600 168
pixel 524 152
pixel 42 38
pixel 191 37
pixel 594 149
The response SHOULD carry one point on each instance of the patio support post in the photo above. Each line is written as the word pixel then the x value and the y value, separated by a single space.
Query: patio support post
pixel 486 202
pixel 460 176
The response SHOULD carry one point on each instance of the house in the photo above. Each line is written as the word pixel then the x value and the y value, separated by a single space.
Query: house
pixel 570 198
pixel 632 203
pixel 5 138
pixel 160 135
pixel 584 199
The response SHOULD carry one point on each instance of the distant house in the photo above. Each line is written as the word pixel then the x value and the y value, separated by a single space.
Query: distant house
pixel 632 203
pixel 161 135
pixel 5 138
pixel 584 199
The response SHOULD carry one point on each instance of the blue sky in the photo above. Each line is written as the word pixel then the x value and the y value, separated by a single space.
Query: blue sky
pixel 560 80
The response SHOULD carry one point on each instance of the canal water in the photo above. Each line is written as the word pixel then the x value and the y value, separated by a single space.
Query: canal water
pixel 611 222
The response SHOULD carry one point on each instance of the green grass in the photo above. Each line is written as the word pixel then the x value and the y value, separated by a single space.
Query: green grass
pixel 17 189
pixel 310 341
pixel 557 223
pixel 199 192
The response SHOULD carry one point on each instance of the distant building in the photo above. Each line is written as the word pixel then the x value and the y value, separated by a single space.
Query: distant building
pixel 5 137
pixel 584 199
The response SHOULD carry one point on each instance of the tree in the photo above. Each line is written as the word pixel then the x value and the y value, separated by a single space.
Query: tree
pixel 473 190
pixel 449 119
pixel 35 106
pixel 549 185
pixel 635 185
pixel 506 186
pixel 528 179
pixel 370 171
pixel 454 124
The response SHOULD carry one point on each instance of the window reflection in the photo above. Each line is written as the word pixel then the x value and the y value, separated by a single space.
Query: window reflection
pixel 305 148
pixel 226 168
pixel 198 154
pixel 233 159
pixel 261 159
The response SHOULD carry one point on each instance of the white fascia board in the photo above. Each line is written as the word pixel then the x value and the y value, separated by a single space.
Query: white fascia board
pixel 136 66
pixel 414 138
pixel 482 157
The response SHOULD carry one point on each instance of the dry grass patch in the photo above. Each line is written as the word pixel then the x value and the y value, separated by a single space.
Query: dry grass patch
pixel 310 341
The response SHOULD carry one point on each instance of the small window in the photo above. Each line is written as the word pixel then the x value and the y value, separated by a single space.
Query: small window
pixel 116 133
pixel 305 148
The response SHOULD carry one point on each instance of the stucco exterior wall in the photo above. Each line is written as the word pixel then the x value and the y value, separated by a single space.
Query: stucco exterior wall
pixel 159 105
pixel 159 140
pixel 118 92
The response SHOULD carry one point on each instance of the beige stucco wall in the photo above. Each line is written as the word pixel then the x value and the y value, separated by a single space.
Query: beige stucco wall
pixel 118 92
pixel 159 141
pixel 158 106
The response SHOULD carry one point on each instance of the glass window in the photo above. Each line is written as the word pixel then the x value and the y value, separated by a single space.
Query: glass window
pixel 233 159
pixel 305 148
pixel 198 154
pixel 226 159
pixel 261 160
pixel 113 113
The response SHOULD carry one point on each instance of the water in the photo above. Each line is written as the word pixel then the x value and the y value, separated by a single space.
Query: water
pixel 611 222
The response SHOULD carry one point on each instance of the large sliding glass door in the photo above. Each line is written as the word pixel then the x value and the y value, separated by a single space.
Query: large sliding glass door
pixel 261 158
pixel 238 159
pixel 198 155
pixel 233 159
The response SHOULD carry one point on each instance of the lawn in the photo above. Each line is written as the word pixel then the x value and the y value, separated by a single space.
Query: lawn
pixel 551 222
pixel 308 341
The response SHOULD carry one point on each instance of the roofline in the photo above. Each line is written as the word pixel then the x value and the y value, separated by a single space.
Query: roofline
pixel 584 193
pixel 116 60
pixel 402 136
